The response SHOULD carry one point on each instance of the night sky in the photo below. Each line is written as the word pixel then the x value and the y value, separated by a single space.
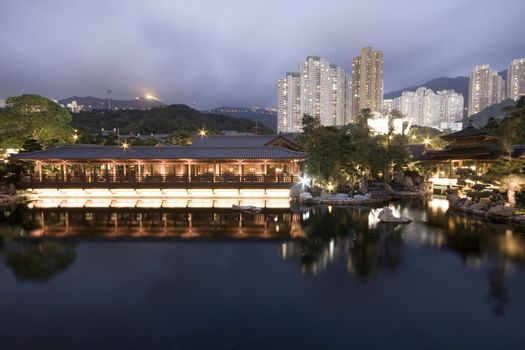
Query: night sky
pixel 231 52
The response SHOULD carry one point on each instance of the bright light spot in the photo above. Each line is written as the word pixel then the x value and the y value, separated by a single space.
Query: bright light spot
pixel 202 132
pixel 125 145
pixel 150 97
pixel 75 137
pixel 330 187
pixel 426 141
pixel 305 180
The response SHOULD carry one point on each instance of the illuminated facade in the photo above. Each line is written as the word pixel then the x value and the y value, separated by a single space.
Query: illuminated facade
pixel 367 81
pixel 318 89
pixel 167 171
pixel 486 87
pixel 516 79
pixel 468 148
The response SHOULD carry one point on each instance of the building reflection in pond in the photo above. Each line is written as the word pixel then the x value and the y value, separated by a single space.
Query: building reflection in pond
pixel 314 238
pixel 141 222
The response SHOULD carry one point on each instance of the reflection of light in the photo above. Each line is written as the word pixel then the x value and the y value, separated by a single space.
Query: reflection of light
pixel 331 249
pixel 306 215
pixel 437 204
pixel 330 209
pixel 283 250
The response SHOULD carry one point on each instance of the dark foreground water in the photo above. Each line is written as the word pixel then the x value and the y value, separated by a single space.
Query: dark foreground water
pixel 327 278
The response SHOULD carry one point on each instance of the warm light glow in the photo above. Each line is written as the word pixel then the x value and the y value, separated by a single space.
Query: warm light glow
pixel 75 137
pixel 426 141
pixel 125 145
pixel 330 187
pixel 150 97
pixel 202 132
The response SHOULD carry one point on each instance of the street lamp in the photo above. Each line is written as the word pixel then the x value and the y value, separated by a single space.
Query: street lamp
pixel 202 132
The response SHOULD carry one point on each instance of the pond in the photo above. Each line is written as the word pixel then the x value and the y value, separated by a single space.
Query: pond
pixel 212 278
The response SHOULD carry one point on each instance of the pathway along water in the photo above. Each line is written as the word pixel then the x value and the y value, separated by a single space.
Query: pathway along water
pixel 318 278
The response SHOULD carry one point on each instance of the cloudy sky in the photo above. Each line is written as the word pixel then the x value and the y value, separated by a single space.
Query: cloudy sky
pixel 231 52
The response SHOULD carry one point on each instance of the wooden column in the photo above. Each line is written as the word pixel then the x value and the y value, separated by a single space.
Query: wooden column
pixel 39 170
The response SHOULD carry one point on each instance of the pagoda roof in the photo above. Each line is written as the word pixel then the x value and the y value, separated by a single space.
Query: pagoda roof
pixel 464 153
pixel 468 132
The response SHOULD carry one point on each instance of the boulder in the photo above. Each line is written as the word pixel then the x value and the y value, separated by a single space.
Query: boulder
pixel 479 206
pixel 408 184
pixel 305 196
pixel 296 190
pixel 339 197
pixel 361 197
pixel 386 215
pixel 500 211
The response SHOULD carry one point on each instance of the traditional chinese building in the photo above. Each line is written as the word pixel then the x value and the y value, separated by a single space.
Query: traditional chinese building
pixel 468 148
pixel 260 167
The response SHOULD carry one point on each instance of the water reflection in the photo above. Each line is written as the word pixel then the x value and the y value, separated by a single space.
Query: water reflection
pixel 337 233
pixel 39 240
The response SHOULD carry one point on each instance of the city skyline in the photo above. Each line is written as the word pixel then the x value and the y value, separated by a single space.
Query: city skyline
pixel 209 54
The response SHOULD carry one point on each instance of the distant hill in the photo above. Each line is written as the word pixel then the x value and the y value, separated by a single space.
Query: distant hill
pixel 459 84
pixel 263 116
pixel 495 111
pixel 90 102
pixel 165 119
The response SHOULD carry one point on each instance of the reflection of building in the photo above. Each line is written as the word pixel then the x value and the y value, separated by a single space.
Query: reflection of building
pixel 516 79
pixel 160 222
pixel 318 89
pixel 486 87
pixel 254 166
pixel 469 148
pixel 367 81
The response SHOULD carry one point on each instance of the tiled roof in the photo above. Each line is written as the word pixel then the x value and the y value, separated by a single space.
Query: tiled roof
pixel 237 141
pixel 474 153
pixel 469 131
pixel 96 152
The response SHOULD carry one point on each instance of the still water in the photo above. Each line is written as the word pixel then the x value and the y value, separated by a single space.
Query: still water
pixel 299 278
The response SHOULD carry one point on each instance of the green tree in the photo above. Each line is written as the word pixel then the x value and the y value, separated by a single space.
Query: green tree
pixel 34 117
pixel 181 137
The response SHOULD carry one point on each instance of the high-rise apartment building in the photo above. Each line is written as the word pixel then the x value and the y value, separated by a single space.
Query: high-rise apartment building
pixel 288 103
pixel 388 105
pixel 318 89
pixel 486 87
pixel 451 106
pixel 441 110
pixel 367 81
pixel 516 79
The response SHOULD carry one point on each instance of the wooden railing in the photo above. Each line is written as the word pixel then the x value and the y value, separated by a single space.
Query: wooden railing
pixel 151 180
